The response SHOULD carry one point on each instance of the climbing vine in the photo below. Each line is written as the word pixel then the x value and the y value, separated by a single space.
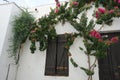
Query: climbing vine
pixel 95 44
pixel 22 26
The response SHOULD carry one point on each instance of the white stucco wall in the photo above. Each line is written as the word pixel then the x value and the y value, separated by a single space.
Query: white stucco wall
pixel 32 66
pixel 5 11
pixel 7 64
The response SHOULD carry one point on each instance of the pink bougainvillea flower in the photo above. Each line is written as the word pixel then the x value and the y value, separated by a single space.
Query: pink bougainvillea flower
pixel 97 35
pixel 56 10
pixel 76 3
pixel 119 1
pixel 92 33
pixel 101 10
pixel 58 4
pixel 111 11
pixel 97 14
pixel 114 39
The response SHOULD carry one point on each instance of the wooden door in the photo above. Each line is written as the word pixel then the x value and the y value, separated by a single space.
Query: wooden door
pixel 109 67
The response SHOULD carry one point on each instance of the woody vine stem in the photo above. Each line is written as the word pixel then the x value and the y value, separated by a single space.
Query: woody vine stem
pixel 89 63
pixel 90 67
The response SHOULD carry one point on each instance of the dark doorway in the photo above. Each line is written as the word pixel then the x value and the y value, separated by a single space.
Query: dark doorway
pixel 109 67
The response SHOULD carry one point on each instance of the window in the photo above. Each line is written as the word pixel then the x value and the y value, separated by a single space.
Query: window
pixel 109 67
pixel 57 57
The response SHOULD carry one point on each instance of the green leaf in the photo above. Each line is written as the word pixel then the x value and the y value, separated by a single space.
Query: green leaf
pixel 83 20
pixel 81 48
pixel 73 62
pixel 91 25
pixel 66 3
pixel 87 71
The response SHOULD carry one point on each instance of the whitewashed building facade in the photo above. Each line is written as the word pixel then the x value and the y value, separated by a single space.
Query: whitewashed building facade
pixel 32 66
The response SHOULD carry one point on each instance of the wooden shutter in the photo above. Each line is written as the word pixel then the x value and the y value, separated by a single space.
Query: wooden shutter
pixel 62 57
pixel 109 66
pixel 105 68
pixel 115 55
pixel 56 57
pixel 51 58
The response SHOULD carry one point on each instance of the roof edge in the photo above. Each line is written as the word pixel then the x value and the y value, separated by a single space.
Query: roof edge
pixel 11 3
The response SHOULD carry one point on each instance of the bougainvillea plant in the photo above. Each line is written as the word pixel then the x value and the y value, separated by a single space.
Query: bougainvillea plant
pixel 111 10
pixel 106 16
pixel 95 44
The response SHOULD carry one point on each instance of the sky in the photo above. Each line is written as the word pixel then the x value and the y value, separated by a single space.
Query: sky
pixel 31 3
